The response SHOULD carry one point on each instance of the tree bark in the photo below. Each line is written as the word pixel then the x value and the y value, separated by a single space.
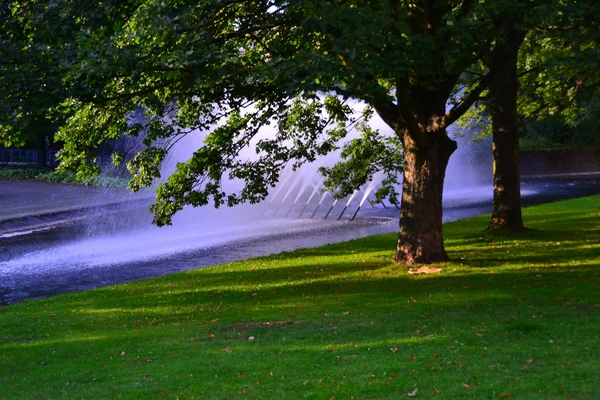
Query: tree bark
pixel 506 213
pixel 420 238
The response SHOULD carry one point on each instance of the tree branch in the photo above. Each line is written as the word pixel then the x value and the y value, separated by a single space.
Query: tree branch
pixel 465 7
pixel 386 111
pixel 528 71
pixel 580 87
pixel 458 110
pixel 253 30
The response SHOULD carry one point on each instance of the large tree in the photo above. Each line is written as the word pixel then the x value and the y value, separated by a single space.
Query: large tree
pixel 548 54
pixel 235 66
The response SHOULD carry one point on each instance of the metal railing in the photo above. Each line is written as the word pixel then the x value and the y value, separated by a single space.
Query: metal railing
pixel 25 157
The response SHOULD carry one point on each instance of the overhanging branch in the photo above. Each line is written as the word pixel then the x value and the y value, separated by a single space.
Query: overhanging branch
pixel 458 110
pixel 387 112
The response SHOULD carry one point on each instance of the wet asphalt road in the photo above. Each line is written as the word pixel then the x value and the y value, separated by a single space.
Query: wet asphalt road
pixel 81 249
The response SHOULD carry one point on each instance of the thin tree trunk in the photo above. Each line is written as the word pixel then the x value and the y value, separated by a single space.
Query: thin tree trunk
pixel 41 150
pixel 420 238
pixel 506 213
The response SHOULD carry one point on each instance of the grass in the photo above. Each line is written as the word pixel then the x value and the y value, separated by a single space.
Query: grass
pixel 513 317
pixel 52 175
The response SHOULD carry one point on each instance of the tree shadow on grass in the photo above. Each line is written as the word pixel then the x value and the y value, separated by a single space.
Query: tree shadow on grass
pixel 401 303
pixel 290 289
pixel 303 314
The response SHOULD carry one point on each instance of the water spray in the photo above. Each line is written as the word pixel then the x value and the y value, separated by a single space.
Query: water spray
pixel 293 184
pixel 333 205
pixel 314 192
pixel 277 209
pixel 283 183
pixel 356 212
pixel 314 212
pixel 343 211
pixel 302 190
pixel 304 209
pixel 348 203
pixel 319 205
pixel 290 210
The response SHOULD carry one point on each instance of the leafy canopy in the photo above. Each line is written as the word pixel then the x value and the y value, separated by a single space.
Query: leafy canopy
pixel 558 69
pixel 231 67
pixel 38 47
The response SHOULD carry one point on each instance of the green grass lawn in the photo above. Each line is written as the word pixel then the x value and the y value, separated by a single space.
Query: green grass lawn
pixel 513 317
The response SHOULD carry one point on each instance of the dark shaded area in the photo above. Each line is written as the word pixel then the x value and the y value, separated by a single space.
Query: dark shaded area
pixel 560 161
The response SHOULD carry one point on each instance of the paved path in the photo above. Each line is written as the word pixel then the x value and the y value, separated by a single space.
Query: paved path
pixel 33 204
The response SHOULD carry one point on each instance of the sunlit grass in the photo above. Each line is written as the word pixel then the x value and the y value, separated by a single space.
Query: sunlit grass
pixel 513 316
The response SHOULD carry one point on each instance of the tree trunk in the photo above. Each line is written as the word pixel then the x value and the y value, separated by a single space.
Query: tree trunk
pixel 41 150
pixel 420 238
pixel 506 212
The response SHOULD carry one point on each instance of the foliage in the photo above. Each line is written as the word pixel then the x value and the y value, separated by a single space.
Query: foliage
pixel 38 47
pixel 555 131
pixel 517 320
pixel 24 172
pixel 545 131
pixel 236 66
pixel 559 63
pixel 25 68
pixel 363 157
pixel 559 78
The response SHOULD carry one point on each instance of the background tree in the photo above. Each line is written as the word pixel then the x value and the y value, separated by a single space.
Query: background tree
pixel 30 86
pixel 37 48
pixel 543 60
pixel 566 27
pixel 502 63
pixel 559 98
pixel 561 131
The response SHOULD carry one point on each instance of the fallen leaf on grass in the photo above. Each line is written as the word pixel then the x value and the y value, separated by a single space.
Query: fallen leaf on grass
pixel 504 395
pixel 413 393
pixel 465 386
pixel 227 350
pixel 425 270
